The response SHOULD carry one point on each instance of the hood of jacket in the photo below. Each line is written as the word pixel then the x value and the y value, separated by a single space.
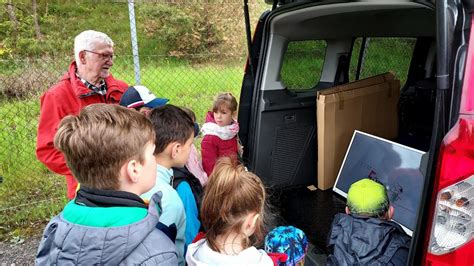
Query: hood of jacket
pixel 65 242
pixel 200 253
pixel 210 117
pixel 362 240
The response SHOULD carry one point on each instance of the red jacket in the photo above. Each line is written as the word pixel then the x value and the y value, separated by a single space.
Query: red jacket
pixel 67 97
pixel 213 147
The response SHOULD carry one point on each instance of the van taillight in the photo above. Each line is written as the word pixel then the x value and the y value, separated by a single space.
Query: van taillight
pixel 452 231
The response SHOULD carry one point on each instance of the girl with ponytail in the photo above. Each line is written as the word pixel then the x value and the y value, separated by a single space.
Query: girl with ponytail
pixel 233 214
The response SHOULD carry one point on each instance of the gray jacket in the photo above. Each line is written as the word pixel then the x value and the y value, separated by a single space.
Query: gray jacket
pixel 65 243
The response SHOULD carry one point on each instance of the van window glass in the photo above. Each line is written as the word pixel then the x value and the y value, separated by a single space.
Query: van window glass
pixel 382 55
pixel 302 64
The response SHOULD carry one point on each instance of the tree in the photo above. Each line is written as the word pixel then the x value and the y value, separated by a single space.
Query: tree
pixel 13 20
pixel 38 34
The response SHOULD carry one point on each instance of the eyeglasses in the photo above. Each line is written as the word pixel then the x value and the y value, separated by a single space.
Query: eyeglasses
pixel 103 56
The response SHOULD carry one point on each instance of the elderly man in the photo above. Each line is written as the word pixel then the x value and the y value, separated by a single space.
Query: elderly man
pixel 88 81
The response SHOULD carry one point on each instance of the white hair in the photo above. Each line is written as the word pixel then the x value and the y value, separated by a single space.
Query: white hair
pixel 87 40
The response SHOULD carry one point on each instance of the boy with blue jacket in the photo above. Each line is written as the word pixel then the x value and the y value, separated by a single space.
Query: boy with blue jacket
pixel 174 131
pixel 109 149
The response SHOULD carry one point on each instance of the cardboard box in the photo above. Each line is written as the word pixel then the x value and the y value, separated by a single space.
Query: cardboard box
pixel 358 84
pixel 369 105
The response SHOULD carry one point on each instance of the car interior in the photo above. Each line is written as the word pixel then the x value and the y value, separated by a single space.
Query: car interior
pixel 332 44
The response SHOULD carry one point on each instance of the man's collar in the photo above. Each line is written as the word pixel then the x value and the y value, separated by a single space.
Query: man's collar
pixel 101 89
pixel 79 88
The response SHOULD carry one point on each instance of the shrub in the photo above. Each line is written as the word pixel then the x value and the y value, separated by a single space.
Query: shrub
pixel 29 78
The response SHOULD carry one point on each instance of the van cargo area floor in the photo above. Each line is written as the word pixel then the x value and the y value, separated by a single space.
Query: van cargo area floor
pixel 311 211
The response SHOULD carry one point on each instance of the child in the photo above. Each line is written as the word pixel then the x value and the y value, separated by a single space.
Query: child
pixel 107 223
pixel 287 240
pixel 365 235
pixel 194 164
pixel 141 99
pixel 174 132
pixel 220 131
pixel 233 215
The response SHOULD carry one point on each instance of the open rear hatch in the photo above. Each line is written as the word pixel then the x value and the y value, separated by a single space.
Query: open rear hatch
pixel 278 125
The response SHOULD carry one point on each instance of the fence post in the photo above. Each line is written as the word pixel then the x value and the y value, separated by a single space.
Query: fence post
pixel 363 51
pixel 133 35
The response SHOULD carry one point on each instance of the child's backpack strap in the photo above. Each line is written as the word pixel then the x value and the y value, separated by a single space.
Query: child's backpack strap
pixel 183 174
pixel 170 231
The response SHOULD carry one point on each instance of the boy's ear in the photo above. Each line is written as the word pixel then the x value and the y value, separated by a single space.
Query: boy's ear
pixel 175 148
pixel 390 212
pixel 133 168
pixel 347 210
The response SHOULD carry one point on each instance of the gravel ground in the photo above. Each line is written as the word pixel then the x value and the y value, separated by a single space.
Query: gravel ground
pixel 24 253
pixel 19 252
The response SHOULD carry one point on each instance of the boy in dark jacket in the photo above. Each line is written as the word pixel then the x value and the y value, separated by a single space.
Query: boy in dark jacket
pixel 365 235
pixel 109 149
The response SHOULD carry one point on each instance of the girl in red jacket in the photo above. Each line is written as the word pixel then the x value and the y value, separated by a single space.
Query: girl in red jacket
pixel 220 131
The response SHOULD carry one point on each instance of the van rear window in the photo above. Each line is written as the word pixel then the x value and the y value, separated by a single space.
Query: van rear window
pixel 302 64
pixel 381 55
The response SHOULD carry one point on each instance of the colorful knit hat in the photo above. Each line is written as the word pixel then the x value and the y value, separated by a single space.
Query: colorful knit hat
pixel 367 197
pixel 288 240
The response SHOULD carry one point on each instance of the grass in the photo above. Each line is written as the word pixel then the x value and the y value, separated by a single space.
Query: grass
pixel 302 64
pixel 29 193
pixel 28 201
pixel 303 61
pixel 185 84
pixel 377 58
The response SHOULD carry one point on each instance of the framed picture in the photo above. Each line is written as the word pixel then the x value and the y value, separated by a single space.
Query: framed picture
pixel 392 164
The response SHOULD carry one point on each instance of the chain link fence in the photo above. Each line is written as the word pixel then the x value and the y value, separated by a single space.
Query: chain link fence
pixel 184 83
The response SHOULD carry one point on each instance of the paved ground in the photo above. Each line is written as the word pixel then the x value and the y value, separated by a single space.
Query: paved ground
pixel 19 252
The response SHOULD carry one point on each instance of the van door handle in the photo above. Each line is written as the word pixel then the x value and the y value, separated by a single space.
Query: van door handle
pixel 290 118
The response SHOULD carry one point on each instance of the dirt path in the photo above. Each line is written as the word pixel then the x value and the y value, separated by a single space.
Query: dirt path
pixel 19 253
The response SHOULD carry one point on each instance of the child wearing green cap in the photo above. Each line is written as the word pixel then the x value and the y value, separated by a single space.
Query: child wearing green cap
pixel 364 235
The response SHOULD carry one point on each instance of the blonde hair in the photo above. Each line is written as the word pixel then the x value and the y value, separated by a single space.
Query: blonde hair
pixel 230 195
pixel 100 140
pixel 225 99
